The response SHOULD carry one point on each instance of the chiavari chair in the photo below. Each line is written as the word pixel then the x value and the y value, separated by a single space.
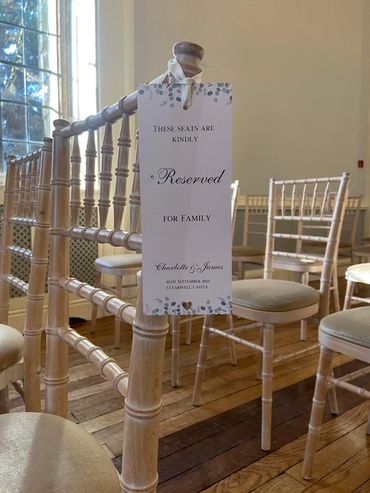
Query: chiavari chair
pixel 346 332
pixel 26 205
pixel 56 454
pixel 254 230
pixel 306 268
pixel 269 302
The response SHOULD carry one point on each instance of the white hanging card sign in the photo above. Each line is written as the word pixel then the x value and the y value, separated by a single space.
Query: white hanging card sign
pixel 185 178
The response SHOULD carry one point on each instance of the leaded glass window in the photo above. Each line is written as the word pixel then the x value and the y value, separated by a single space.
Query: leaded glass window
pixel 32 53
pixel 29 78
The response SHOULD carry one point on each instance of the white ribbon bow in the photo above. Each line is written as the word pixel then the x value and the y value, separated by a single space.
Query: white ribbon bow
pixel 175 69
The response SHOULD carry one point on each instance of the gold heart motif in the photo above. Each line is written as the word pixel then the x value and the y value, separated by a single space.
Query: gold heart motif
pixel 187 304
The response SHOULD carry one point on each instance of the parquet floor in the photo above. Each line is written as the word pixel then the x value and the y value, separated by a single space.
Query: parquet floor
pixel 214 448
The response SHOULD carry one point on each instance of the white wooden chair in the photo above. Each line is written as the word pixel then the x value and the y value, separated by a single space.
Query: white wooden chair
pixel 348 333
pixel 347 240
pixel 44 452
pixel 270 302
pixel 254 230
pixel 356 274
pixel 26 205
pixel 346 247
pixel 306 268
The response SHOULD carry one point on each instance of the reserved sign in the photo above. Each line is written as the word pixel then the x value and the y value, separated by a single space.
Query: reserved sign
pixel 185 177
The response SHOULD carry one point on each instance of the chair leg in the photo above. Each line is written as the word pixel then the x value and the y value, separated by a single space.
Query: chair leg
pixel 318 405
pixel 240 270
pixel 259 357
pixel 305 278
pixel 332 396
pixel 267 374
pixel 188 327
pixel 117 321
pixel 174 322
pixel 348 295
pixel 4 400
pixel 334 281
pixel 202 358
pixel 94 310
pixel 232 345
pixel 143 404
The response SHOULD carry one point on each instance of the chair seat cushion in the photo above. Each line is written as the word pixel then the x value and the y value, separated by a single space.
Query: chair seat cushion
pixel 297 264
pixel 11 346
pixel 273 295
pixel 350 325
pixel 43 453
pixel 247 251
pixel 120 261
pixel 359 273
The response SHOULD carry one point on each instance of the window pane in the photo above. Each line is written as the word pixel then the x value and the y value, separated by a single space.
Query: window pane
pixel 40 15
pixel 41 50
pixel 7 148
pixel 35 123
pixel 15 148
pixel 42 88
pixel 11 11
pixel 11 83
pixel 11 43
pixel 40 122
pixel 13 120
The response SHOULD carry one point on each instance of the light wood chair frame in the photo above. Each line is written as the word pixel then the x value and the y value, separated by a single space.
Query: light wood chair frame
pixel 142 386
pixel 324 382
pixel 26 204
pixel 280 210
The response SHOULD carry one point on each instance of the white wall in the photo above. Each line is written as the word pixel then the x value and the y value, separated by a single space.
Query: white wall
pixel 300 74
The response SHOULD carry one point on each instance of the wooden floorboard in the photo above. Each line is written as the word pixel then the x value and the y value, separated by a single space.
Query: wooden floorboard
pixel 215 448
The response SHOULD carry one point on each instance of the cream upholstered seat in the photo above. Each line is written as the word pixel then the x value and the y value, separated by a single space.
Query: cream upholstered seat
pixel 349 325
pixel 28 459
pixel 272 295
pixel 346 332
pixel 11 362
pixel 11 346
pixel 118 263
pixel 359 273
pixel 268 302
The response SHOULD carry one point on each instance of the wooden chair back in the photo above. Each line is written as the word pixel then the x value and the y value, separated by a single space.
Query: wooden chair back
pixel 350 223
pixel 349 227
pixel 255 219
pixel 27 204
pixel 301 203
pixel 142 386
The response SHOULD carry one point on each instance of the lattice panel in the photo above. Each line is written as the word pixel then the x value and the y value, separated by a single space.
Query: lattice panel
pixel 83 255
